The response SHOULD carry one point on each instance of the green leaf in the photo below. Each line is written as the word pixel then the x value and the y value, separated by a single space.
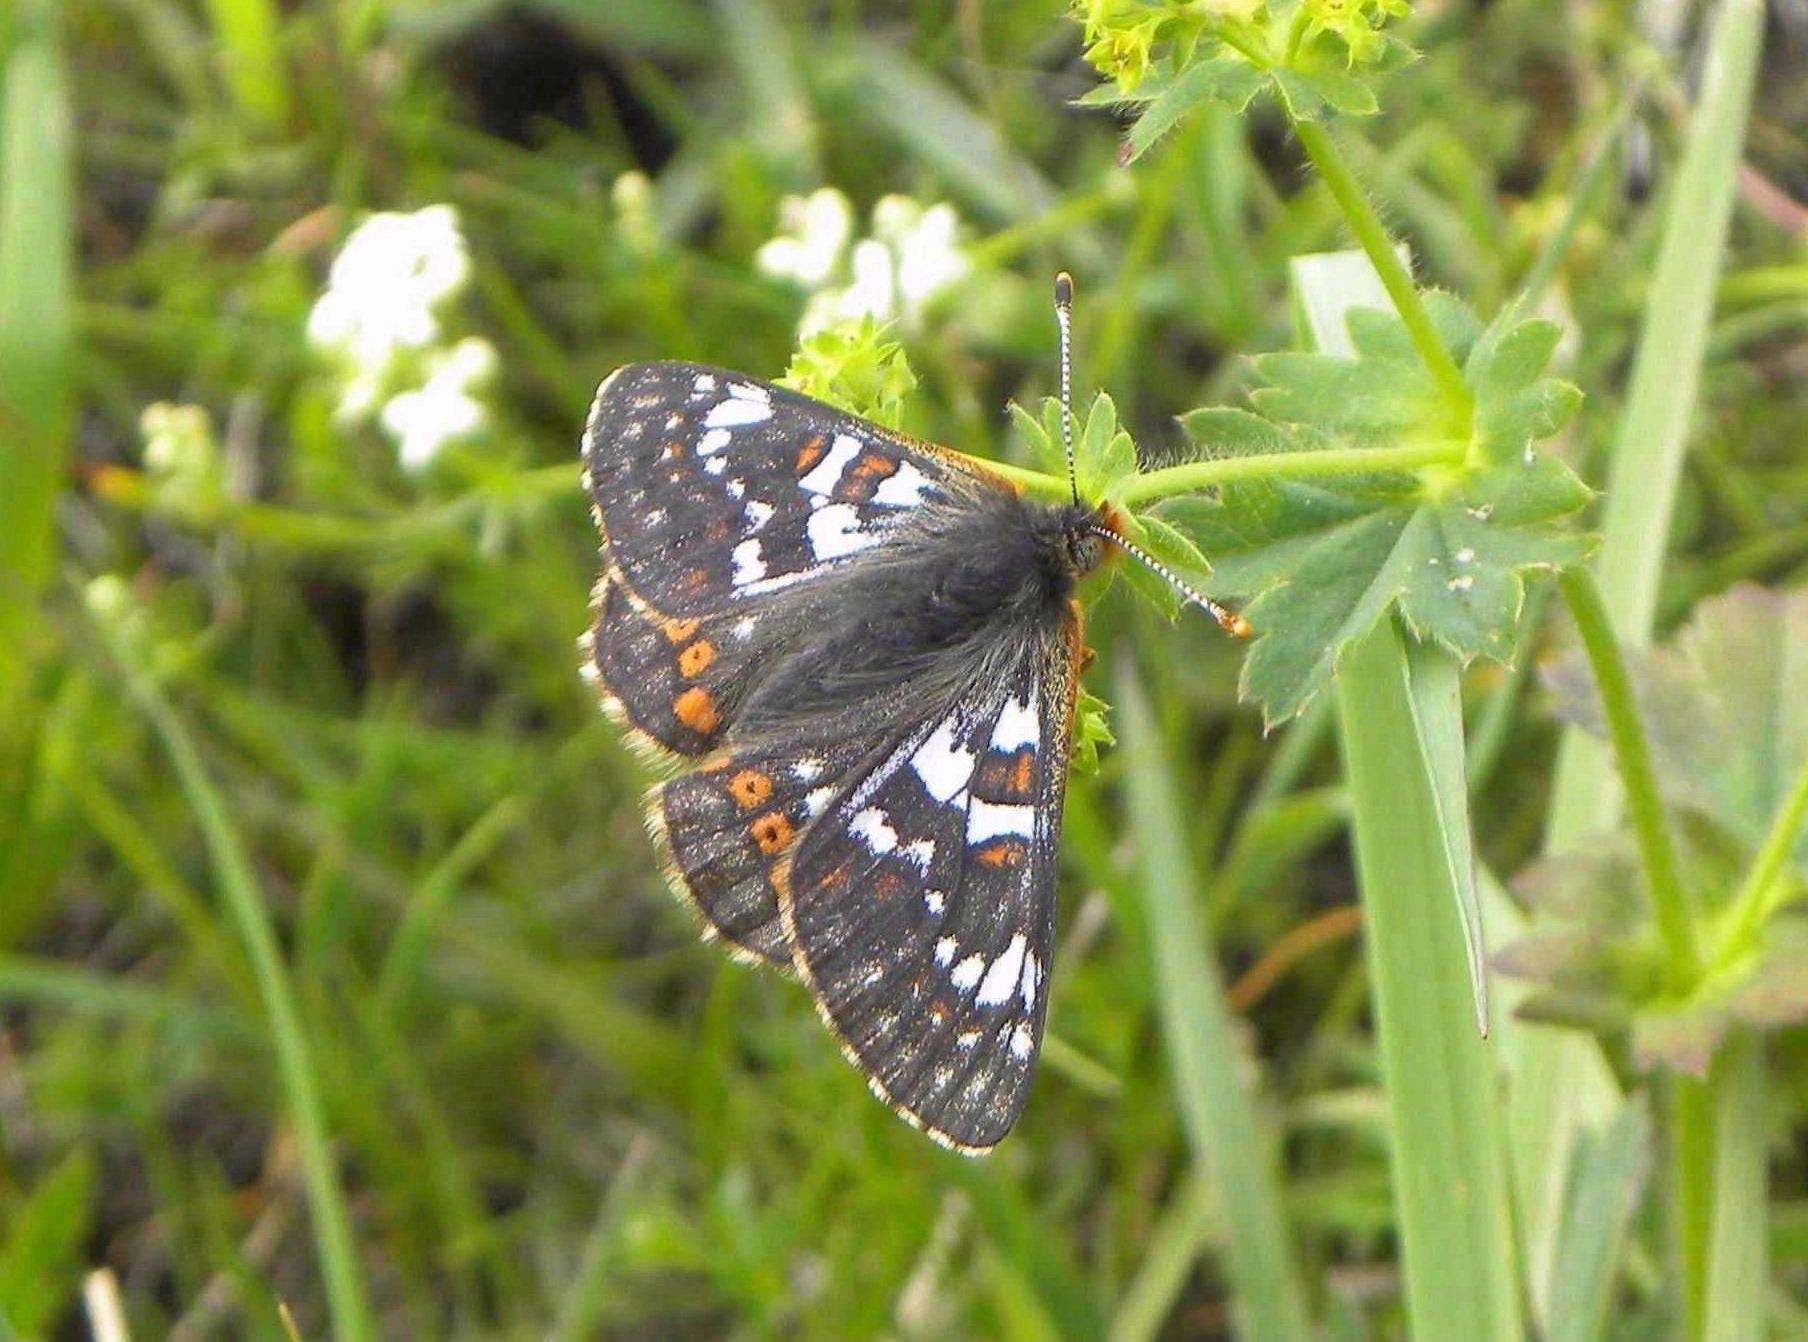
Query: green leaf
pixel 1225 78
pixel 1091 730
pixel 1725 704
pixel 41 1249
pixel 1310 94
pixel 1103 453
pixel 1170 546
pixel 1323 561
pixel 1225 432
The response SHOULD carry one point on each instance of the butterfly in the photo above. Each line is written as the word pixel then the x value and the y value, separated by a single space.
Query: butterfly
pixel 864 651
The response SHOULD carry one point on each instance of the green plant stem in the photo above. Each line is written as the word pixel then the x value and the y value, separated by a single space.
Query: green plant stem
pixel 1373 238
pixel 1754 901
pixel 1193 476
pixel 345 1292
pixel 1692 1212
pixel 1657 847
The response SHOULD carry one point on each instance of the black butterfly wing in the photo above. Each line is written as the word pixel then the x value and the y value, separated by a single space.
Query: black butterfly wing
pixel 920 904
pixel 729 827
pixel 713 491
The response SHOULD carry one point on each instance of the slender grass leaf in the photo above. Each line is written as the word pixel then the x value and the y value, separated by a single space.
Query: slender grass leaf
pixel 1403 762
pixel 1607 1179
pixel 1220 1117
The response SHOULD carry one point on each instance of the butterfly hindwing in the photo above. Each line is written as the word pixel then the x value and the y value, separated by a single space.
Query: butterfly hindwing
pixel 731 825
pixel 672 678
pixel 713 489
pixel 920 904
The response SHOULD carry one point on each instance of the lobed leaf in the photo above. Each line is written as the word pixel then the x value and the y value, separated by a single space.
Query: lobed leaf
pixel 1321 561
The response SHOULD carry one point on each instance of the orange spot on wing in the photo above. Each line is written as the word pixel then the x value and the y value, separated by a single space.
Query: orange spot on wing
pixel 696 710
pixel 1020 775
pixel 811 452
pixel 772 832
pixel 679 630
pixel 875 465
pixel 695 659
pixel 1003 853
pixel 750 787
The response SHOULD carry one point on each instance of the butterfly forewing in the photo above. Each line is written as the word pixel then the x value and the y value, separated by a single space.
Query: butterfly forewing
pixel 713 491
pixel 713 488
pixel 920 904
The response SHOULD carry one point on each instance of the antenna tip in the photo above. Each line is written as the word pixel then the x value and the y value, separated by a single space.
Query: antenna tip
pixel 1237 627
pixel 1064 290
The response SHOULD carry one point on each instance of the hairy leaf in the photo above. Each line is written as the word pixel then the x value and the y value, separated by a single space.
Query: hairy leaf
pixel 1322 560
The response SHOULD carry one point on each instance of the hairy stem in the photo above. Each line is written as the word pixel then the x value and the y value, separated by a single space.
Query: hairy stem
pixel 1657 848
pixel 1373 238
pixel 1197 475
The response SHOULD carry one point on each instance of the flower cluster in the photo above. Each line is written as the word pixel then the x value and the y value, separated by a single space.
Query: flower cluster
pixel 380 325
pixel 911 254
pixel 1356 23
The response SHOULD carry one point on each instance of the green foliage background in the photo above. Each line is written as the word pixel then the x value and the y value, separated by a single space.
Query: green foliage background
pixel 330 710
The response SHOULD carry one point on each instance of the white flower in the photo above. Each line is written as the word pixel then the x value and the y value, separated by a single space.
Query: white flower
pixel 443 409
pixel 382 296
pixel 813 235
pixel 912 255
pixel 929 259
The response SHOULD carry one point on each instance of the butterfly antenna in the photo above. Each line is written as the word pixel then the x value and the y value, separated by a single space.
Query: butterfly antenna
pixel 1231 622
pixel 1064 316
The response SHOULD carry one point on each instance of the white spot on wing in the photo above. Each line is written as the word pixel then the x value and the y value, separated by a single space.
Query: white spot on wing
pixel 835 531
pixel 935 901
pixel 944 951
pixel 826 474
pixel 736 488
pixel 1023 1043
pixel 704 382
pixel 904 488
pixel 715 465
pixel 1002 978
pixel 919 851
pixel 758 514
pixel 712 442
pixel 818 800
pixel 1032 979
pixel 968 972
pixel 941 763
pixel 872 828
pixel 747 391
pixel 990 820
pixel 807 769
pixel 736 411
pixel 748 565
pixel 1018 726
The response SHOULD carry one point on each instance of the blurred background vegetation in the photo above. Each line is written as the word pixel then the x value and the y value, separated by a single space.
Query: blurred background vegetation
pixel 326 913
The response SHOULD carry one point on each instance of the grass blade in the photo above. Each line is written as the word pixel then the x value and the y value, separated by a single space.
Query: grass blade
pixel 345 1290
pixel 1449 1180
pixel 1738 1256
pixel 1400 720
pixel 1608 1174
pixel 1219 1115
pixel 37 243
